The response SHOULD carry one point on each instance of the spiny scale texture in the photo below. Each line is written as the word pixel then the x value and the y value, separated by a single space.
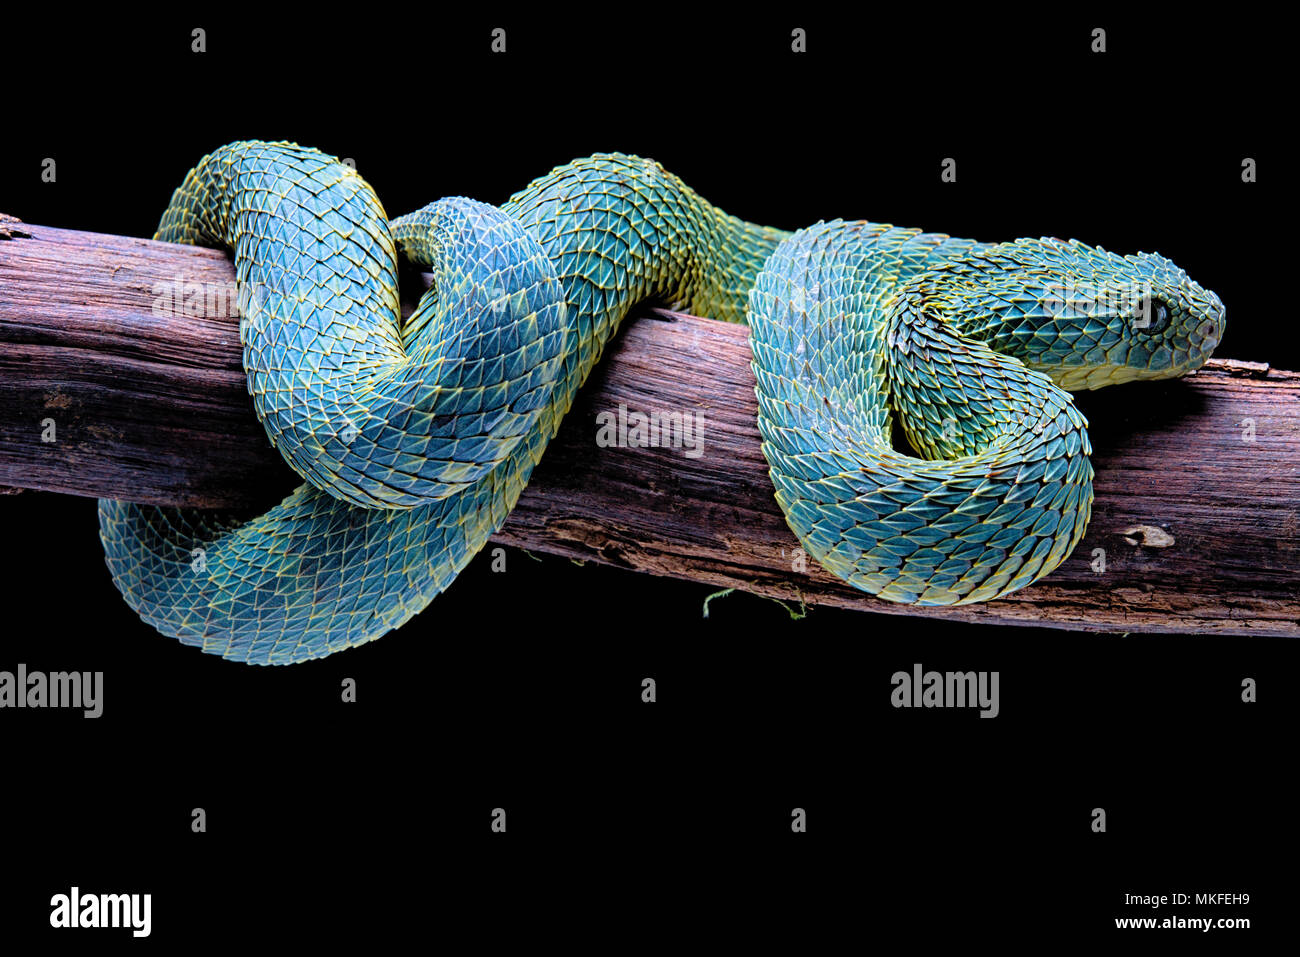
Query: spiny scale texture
pixel 1008 492
pixel 416 438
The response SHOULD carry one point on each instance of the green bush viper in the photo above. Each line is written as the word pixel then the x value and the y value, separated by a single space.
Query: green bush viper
pixel 415 438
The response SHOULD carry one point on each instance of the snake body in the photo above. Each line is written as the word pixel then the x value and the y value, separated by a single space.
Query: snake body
pixel 416 437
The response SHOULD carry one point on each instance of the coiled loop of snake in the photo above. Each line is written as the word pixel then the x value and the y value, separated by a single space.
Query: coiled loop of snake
pixel 416 438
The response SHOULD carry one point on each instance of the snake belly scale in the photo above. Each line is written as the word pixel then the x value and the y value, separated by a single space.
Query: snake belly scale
pixel 415 438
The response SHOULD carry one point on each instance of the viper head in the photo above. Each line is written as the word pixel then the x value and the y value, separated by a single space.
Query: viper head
pixel 1082 315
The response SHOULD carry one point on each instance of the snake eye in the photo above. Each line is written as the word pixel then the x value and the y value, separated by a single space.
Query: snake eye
pixel 1152 315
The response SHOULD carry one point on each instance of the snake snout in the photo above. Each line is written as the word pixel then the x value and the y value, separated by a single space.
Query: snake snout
pixel 1197 331
pixel 1210 331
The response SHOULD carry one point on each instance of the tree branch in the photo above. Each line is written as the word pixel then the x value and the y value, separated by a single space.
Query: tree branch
pixel 1197 487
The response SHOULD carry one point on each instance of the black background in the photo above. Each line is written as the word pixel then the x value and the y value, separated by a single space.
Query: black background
pixel 331 821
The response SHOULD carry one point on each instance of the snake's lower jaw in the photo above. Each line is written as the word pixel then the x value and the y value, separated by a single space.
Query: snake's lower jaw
pixel 1097 375
pixel 1088 378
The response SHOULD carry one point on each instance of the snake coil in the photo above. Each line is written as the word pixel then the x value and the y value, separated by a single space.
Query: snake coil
pixel 416 438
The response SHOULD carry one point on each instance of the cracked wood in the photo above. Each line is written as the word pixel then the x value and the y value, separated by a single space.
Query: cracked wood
pixel 150 405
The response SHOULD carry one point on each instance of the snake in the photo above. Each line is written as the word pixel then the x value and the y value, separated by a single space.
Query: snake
pixel 913 389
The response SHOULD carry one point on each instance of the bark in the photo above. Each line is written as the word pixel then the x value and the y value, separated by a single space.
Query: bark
pixel 1194 527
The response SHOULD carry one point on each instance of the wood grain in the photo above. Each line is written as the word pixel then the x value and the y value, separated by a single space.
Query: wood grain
pixel 1197 505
